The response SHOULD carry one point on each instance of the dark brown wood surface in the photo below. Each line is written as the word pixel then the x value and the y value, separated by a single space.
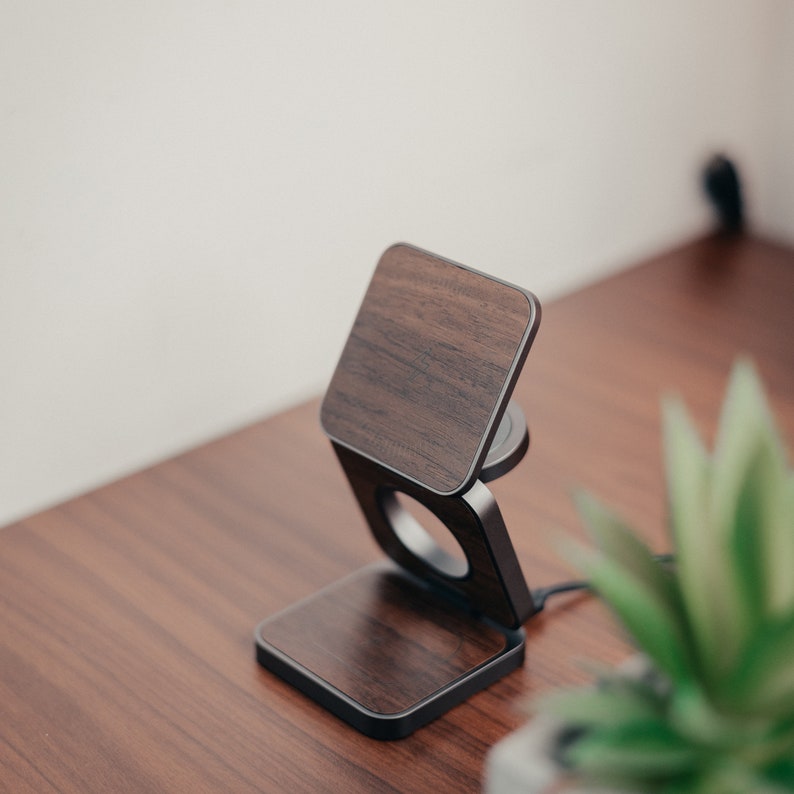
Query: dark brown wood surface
pixel 384 639
pixel 127 615
pixel 428 368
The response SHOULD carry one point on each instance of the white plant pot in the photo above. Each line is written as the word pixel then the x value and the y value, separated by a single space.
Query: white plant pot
pixel 524 763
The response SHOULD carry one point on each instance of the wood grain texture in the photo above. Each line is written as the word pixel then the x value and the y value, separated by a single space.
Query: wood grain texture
pixel 384 651
pixel 126 652
pixel 389 642
pixel 428 368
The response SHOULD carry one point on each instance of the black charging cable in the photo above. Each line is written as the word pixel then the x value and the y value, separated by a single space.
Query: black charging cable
pixel 542 594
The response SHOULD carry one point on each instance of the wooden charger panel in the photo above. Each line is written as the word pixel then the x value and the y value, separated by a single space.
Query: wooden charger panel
pixel 428 368
pixel 384 651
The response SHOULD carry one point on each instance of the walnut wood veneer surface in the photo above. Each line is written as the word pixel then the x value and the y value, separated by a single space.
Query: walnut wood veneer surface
pixel 126 615
pixel 428 368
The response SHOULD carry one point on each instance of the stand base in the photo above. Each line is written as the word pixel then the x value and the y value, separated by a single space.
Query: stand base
pixel 384 652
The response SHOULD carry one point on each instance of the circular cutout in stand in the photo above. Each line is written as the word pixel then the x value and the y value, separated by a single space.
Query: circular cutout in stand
pixel 424 534
pixel 509 445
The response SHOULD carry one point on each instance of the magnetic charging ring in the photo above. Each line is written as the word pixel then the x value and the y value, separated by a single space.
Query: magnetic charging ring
pixel 509 444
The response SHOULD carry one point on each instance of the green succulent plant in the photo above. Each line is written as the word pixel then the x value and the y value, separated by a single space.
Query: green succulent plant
pixel 715 712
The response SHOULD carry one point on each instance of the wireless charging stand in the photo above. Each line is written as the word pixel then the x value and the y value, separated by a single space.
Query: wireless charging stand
pixel 418 411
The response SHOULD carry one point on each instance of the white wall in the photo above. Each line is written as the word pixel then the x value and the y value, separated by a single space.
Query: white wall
pixel 776 172
pixel 194 194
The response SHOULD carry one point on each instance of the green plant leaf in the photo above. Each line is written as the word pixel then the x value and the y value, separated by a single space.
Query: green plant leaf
pixel 763 679
pixel 766 508
pixel 781 550
pixel 638 752
pixel 618 541
pixel 730 777
pixel 718 617
pixel 748 503
pixel 744 420
pixel 602 706
pixel 644 613
pixel 752 527
pixel 781 774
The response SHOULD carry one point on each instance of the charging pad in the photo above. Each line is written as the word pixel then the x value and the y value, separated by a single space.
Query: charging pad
pixel 384 652
pixel 419 405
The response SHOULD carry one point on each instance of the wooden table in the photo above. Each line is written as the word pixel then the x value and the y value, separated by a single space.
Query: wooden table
pixel 126 653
